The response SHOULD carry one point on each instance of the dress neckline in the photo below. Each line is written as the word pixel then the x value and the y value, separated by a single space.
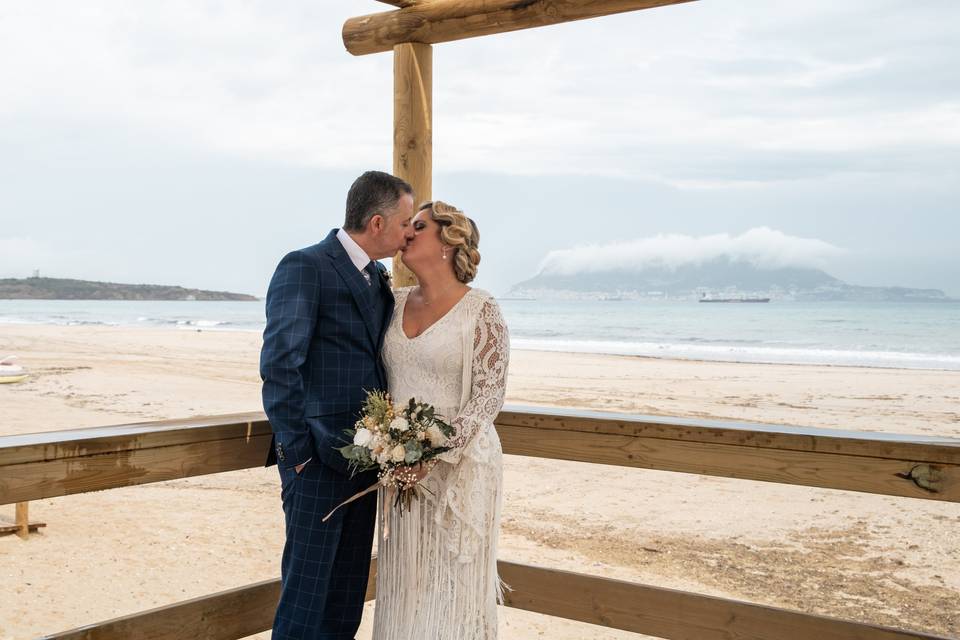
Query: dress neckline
pixel 403 310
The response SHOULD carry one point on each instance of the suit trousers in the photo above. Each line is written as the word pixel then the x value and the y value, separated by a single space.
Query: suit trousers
pixel 325 565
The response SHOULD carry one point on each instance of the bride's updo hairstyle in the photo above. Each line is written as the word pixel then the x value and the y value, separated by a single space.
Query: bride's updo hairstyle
pixel 461 234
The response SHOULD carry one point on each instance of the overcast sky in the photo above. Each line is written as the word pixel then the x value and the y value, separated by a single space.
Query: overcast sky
pixel 193 142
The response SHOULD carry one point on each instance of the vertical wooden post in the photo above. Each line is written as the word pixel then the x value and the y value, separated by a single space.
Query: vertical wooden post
pixel 23 520
pixel 412 129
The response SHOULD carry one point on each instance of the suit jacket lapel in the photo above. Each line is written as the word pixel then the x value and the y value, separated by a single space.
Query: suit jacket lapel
pixel 389 302
pixel 355 282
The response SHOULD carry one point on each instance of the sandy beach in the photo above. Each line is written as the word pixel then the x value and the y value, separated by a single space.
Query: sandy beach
pixel 872 558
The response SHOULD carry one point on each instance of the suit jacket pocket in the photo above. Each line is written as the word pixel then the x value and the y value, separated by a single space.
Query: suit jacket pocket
pixel 328 436
pixel 326 408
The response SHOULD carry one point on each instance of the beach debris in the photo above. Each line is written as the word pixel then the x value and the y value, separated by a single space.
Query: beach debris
pixel 10 371
pixel 21 525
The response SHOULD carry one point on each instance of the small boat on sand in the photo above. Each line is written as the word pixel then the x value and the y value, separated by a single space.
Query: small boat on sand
pixel 10 371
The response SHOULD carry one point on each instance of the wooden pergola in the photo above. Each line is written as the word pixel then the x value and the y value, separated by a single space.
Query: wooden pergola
pixel 414 27
pixel 44 465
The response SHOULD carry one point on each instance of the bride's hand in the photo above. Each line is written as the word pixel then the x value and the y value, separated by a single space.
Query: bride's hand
pixel 422 470
pixel 413 474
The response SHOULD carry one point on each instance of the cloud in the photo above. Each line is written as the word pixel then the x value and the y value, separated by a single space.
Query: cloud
pixel 763 247
pixel 250 80
pixel 655 95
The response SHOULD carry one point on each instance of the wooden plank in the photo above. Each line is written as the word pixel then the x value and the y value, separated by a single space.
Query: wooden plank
pixel 80 442
pixel 447 20
pixel 7 529
pixel 21 524
pixel 65 476
pixel 60 463
pixel 766 436
pixel 667 613
pixel 402 4
pixel 56 445
pixel 412 130
pixel 826 470
pixel 618 604
pixel 226 615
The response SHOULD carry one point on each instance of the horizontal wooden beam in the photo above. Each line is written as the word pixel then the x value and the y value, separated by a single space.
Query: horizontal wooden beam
pixel 664 613
pixel 227 615
pixel 37 480
pixel 672 614
pixel 905 467
pixel 37 466
pixel 47 465
pixel 751 434
pixel 446 20
pixel 828 471
pixel 77 443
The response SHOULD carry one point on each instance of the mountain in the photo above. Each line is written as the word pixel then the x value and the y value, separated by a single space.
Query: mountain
pixel 717 277
pixel 63 289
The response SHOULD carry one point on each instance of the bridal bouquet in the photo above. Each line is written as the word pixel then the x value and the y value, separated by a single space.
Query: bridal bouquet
pixel 393 439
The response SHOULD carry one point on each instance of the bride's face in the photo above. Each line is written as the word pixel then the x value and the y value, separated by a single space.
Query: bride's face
pixel 426 246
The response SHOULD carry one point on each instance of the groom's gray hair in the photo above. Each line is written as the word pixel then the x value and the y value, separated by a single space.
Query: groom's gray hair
pixel 375 192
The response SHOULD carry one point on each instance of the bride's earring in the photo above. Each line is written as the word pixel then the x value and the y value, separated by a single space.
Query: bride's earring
pixel 444 254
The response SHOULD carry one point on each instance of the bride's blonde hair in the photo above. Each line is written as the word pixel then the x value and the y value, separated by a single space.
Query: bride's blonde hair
pixel 459 232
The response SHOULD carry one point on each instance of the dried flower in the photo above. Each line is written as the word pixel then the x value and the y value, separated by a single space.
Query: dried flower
pixel 391 438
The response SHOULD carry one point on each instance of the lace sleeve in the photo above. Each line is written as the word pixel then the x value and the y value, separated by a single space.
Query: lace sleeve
pixel 491 356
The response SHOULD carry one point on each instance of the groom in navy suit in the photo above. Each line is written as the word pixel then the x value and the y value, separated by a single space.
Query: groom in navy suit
pixel 328 307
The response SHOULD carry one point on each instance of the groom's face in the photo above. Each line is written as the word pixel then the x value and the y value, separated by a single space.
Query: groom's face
pixel 397 230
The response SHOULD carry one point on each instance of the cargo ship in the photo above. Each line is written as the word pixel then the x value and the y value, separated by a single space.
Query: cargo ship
pixel 745 299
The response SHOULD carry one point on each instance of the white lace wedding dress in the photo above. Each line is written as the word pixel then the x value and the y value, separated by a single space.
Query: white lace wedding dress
pixel 437 564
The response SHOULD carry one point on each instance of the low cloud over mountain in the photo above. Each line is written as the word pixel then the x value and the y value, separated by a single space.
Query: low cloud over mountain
pixel 762 261
pixel 761 247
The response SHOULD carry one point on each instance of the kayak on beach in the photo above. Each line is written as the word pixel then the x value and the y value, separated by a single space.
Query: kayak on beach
pixel 10 371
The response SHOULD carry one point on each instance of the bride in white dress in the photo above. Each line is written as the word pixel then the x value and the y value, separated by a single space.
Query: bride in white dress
pixel 446 345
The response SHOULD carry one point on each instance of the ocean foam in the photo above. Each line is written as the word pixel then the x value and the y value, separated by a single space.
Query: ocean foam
pixel 736 353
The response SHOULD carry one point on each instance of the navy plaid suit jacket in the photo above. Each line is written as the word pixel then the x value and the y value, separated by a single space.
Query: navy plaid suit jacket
pixel 321 351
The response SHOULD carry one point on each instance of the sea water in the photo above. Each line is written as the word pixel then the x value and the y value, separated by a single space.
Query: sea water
pixel 903 335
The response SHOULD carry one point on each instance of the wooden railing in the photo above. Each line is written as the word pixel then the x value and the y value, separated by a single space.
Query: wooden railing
pixel 61 463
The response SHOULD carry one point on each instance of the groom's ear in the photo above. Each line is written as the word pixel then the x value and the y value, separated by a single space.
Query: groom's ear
pixel 376 223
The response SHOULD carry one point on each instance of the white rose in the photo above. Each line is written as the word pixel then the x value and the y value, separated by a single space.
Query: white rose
pixel 437 439
pixel 398 453
pixel 362 437
pixel 400 424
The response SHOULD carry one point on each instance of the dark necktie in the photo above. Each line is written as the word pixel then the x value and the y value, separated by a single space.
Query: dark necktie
pixel 371 271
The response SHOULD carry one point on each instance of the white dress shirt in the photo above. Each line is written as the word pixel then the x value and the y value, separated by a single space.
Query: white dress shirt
pixel 358 256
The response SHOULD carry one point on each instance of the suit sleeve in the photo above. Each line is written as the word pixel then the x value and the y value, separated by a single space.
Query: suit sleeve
pixel 292 302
